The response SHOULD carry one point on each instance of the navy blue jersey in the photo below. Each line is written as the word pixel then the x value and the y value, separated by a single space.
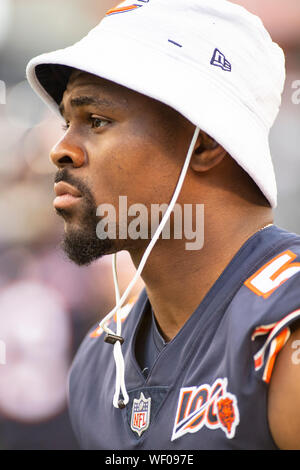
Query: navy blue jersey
pixel 208 387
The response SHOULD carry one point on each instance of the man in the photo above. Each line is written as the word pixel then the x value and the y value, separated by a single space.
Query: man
pixel 179 95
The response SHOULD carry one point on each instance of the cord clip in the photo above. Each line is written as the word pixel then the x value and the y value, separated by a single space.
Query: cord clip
pixel 112 339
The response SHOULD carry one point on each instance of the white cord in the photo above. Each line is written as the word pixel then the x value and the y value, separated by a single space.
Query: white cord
pixel 117 291
pixel 119 360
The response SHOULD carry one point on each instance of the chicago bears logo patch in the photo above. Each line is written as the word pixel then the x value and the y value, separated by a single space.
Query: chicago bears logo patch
pixel 210 406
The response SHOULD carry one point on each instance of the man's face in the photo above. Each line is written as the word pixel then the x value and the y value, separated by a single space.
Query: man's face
pixel 117 143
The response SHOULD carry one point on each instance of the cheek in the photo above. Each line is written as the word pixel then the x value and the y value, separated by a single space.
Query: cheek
pixel 135 166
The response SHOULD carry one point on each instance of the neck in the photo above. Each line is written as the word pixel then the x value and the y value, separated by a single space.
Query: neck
pixel 177 279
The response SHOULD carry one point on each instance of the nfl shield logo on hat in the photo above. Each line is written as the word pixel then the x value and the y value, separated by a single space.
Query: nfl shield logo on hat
pixel 140 415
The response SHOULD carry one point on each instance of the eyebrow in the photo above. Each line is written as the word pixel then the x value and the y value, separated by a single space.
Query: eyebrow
pixel 87 100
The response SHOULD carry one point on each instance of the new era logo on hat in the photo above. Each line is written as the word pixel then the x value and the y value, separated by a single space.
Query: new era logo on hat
pixel 219 60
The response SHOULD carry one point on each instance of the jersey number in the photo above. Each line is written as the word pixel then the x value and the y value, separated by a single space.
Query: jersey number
pixel 268 278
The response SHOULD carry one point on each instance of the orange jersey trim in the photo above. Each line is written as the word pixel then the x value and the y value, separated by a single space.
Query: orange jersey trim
pixel 278 335
pixel 262 330
pixel 276 346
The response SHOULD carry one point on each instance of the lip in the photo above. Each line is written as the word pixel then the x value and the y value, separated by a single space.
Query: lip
pixel 62 188
pixel 66 195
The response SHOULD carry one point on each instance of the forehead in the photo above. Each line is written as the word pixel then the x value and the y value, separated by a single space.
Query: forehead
pixel 81 82
pixel 107 93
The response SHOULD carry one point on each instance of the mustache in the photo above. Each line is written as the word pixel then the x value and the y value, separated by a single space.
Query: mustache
pixel 65 175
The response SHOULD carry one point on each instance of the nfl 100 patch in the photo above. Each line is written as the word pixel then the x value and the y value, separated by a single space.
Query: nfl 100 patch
pixel 207 405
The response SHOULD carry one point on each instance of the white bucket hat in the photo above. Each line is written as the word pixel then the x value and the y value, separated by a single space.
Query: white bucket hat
pixel 211 60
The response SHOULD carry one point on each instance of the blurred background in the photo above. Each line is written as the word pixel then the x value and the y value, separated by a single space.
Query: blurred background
pixel 47 304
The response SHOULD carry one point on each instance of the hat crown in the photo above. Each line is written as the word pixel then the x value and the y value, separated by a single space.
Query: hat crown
pixel 198 27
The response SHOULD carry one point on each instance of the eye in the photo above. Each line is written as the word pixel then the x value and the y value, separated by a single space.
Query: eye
pixel 98 122
pixel 65 127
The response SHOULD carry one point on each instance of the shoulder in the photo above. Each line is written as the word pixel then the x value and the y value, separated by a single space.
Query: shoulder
pixel 284 394
pixel 271 289
pixel 274 288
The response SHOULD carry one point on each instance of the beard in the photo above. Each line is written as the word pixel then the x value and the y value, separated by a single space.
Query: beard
pixel 80 242
pixel 83 247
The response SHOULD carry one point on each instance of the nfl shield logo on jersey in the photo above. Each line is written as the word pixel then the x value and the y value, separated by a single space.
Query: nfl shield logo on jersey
pixel 140 415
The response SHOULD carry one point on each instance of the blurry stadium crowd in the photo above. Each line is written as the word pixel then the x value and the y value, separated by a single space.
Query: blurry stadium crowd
pixel 47 304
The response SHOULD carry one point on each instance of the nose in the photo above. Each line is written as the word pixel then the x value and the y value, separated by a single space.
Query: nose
pixel 66 154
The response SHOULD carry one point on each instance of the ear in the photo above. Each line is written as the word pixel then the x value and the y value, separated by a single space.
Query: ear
pixel 207 154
